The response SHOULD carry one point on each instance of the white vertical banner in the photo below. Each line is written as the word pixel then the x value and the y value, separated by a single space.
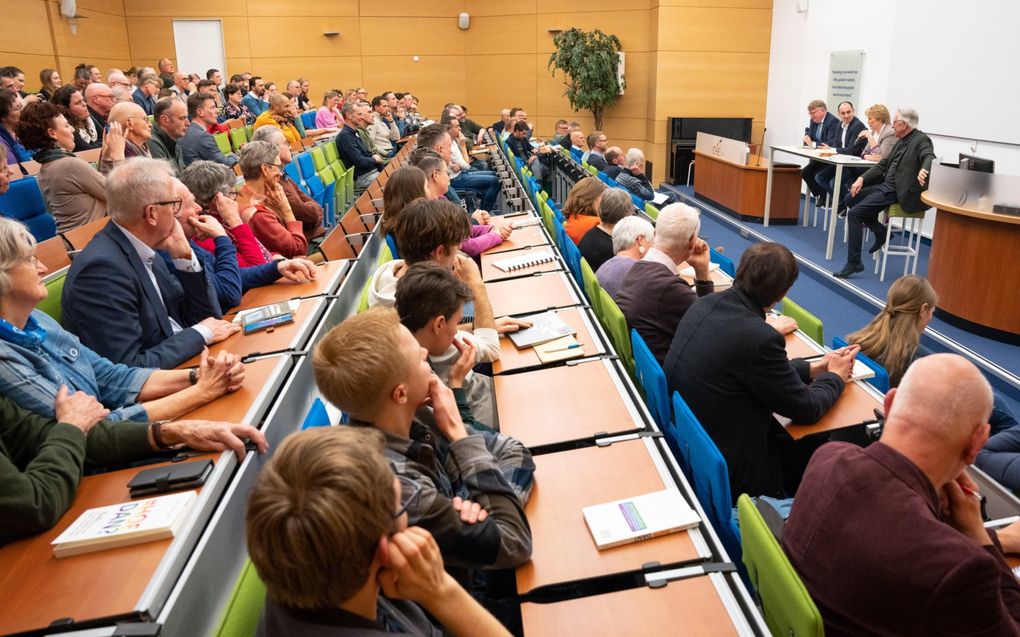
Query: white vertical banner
pixel 845 78
pixel 199 46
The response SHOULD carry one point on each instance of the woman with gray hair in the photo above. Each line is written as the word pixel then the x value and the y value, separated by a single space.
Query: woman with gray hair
pixel 212 184
pixel 596 245
pixel 40 360
pixel 632 237
pixel 272 221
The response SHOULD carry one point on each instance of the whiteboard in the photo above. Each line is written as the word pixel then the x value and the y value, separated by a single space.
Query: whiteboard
pixel 954 62
pixel 199 45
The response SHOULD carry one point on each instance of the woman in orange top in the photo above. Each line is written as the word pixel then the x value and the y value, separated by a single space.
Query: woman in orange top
pixel 281 112
pixel 582 208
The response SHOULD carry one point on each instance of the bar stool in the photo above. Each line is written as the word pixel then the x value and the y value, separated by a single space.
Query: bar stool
pixel 911 229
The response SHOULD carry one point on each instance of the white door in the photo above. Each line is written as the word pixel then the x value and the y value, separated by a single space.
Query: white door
pixel 199 45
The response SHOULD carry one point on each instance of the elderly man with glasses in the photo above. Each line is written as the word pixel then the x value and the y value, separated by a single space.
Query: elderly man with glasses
pixel 121 298
pixel 100 99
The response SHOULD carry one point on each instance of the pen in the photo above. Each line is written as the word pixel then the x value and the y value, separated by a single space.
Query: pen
pixel 971 492
pixel 563 349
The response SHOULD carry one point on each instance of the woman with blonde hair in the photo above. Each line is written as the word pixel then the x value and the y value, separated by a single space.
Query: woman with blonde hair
pixel 49 80
pixel 582 207
pixel 894 336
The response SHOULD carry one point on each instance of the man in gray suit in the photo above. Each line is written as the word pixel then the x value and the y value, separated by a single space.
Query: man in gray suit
pixel 900 178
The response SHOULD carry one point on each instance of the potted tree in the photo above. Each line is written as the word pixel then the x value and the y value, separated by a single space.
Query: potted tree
pixel 589 62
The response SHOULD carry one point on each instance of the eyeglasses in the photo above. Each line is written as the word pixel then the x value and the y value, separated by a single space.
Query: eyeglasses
pixel 276 166
pixel 176 203
pixel 410 500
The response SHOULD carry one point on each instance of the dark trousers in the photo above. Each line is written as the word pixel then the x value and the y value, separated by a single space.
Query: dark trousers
pixel 863 210
pixel 810 173
pixel 826 180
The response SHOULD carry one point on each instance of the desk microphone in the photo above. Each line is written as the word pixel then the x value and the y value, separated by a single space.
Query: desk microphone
pixel 763 131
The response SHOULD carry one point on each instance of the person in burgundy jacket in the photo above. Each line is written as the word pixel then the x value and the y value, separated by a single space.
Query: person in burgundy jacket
pixel 889 540
pixel 273 221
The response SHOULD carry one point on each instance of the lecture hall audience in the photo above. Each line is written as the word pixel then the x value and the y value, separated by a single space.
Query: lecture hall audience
pixel 74 191
pixel 889 539
pixel 279 115
pixel 169 126
pixel 86 137
pixel 255 99
pixel 352 148
pixel 581 210
pixel 234 108
pixel 324 575
pixel 305 209
pixel 632 176
pixel 197 143
pixel 164 315
pixel 596 245
pixel 730 366
pixel 10 114
pixel 273 220
pixel 632 238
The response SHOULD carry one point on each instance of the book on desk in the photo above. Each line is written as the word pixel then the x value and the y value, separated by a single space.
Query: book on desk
pixel 639 518
pixel 125 524
pixel 545 327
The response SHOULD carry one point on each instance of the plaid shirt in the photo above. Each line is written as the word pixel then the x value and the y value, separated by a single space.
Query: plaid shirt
pixel 493 470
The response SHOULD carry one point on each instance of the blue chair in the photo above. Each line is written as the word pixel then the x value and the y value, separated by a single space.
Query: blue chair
pixel 652 379
pixel 308 119
pixel 317 416
pixel 706 469
pixel 725 263
pixel 292 171
pixel 306 165
pixel 556 211
pixel 24 202
pixel 392 243
pixel 880 381
pixel 570 253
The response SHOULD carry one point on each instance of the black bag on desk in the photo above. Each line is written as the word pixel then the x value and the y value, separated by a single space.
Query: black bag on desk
pixel 171 477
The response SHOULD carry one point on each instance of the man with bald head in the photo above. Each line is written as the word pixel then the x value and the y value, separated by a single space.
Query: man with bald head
pixel 137 131
pixel 889 539
pixel 100 99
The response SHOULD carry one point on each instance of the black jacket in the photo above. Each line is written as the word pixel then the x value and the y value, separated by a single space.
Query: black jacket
pixel 830 131
pixel 731 368
pixel 854 145
pixel 907 158
pixel 520 147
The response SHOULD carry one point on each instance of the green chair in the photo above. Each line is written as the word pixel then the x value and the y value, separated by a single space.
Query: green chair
pixel 241 616
pixel 223 143
pixel 593 170
pixel 547 218
pixel 591 287
pixel 331 154
pixel 651 211
pixel 51 304
pixel 614 322
pixel 238 138
pixel 318 158
pixel 385 256
pixel 806 321
pixel 786 605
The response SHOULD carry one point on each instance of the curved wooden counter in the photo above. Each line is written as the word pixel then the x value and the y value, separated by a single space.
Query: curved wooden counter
pixel 741 188
pixel 974 266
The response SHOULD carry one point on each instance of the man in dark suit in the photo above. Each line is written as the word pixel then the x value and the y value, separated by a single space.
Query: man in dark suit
pixel 145 95
pixel 848 142
pixel 121 299
pixel 889 539
pixel 900 178
pixel 731 367
pixel 822 130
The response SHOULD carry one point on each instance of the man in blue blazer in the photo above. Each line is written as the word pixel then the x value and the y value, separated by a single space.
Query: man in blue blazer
pixel 822 130
pixel 197 143
pixel 121 299
pixel 848 142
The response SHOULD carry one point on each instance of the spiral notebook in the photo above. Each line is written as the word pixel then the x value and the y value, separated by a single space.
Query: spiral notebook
pixel 525 261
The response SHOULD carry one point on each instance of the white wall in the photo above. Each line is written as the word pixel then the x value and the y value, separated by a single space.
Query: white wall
pixel 929 54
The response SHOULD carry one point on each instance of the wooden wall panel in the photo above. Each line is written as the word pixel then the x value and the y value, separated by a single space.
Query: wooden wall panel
pixel 25 28
pixel 99 36
pixel 711 84
pixel 747 4
pixel 116 7
pixel 325 73
pixel 32 64
pixel 411 36
pixel 632 27
pixel 414 8
pixel 302 7
pixel 501 8
pixel 236 39
pixel 493 35
pixel 498 82
pixel 236 66
pixel 187 8
pixel 434 79
pixel 715 29
pixel 151 38
pixel 302 37
pixel 593 6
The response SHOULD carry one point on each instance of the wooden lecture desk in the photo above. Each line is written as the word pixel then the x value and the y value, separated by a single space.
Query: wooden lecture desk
pixel 491 273
pixel 571 480
pixel 973 265
pixel 695 607
pixel 557 404
pixel 522 238
pixel 261 379
pixel 513 359
pixel 855 406
pixel 531 294
pixel 741 188
pixel 329 274
pixel 110 585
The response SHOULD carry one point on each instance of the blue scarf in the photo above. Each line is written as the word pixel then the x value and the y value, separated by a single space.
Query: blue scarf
pixel 30 338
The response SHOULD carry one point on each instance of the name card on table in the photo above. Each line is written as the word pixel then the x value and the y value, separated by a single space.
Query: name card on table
pixel 731 150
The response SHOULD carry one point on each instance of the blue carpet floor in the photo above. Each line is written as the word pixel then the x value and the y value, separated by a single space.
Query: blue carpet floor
pixel 843 308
